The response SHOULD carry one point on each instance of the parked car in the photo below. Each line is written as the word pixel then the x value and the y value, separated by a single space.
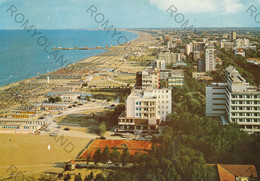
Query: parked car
pixel 102 137
pixel 70 107
pixel 113 105
pixel 66 129
pixel 73 105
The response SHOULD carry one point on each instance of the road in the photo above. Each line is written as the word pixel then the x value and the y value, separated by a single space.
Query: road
pixel 75 130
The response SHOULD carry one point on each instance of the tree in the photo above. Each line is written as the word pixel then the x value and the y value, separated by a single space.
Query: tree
pixel 105 155
pixel 78 177
pixel 99 177
pixel 115 155
pixel 67 177
pixel 58 99
pixel 97 156
pixel 102 129
pixel 55 99
pixel 90 177
pixel 125 156
pixel 51 99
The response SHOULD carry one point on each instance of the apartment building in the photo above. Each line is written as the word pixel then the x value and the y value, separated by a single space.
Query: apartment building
pixel 236 101
pixel 233 35
pixel 166 55
pixel 175 78
pixel 215 99
pixel 241 42
pixel 209 58
pixel 169 57
pixel 150 78
pixel 189 48
pixel 154 78
pixel 160 64
pixel 145 109
pixel 226 45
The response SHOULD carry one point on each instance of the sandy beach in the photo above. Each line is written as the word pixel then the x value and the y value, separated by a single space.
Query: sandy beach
pixel 32 90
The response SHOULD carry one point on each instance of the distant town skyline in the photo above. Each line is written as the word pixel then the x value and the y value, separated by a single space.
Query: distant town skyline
pixel 70 14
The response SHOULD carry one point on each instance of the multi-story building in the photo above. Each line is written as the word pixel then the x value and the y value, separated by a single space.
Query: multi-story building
pixel 196 55
pixel 201 65
pixel 175 78
pixel 160 64
pixel 145 109
pixel 241 42
pixel 150 78
pixel 236 101
pixel 166 55
pixel 215 99
pixel 169 57
pixel 233 35
pixel 189 48
pixel 154 78
pixel 226 45
pixel 198 46
pixel 209 58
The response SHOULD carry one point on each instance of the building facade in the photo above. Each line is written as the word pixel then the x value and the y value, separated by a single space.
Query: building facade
pixel 236 101
pixel 145 109
pixel 150 78
pixel 209 57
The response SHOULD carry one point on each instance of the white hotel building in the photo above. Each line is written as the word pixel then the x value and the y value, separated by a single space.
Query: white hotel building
pixel 209 58
pixel 235 100
pixel 145 109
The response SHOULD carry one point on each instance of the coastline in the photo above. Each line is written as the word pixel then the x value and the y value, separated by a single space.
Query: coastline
pixel 34 89
pixel 73 64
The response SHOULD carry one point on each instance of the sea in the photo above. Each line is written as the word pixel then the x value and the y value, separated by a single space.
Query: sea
pixel 23 55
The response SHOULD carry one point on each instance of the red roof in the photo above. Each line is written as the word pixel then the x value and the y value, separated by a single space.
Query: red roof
pixel 229 172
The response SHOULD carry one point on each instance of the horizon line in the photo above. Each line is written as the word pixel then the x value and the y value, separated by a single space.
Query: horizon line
pixel 129 28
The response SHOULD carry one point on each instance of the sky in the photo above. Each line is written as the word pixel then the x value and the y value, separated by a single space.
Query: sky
pixel 73 14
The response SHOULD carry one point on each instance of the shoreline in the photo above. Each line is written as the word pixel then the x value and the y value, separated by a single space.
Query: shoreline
pixel 104 66
pixel 72 64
